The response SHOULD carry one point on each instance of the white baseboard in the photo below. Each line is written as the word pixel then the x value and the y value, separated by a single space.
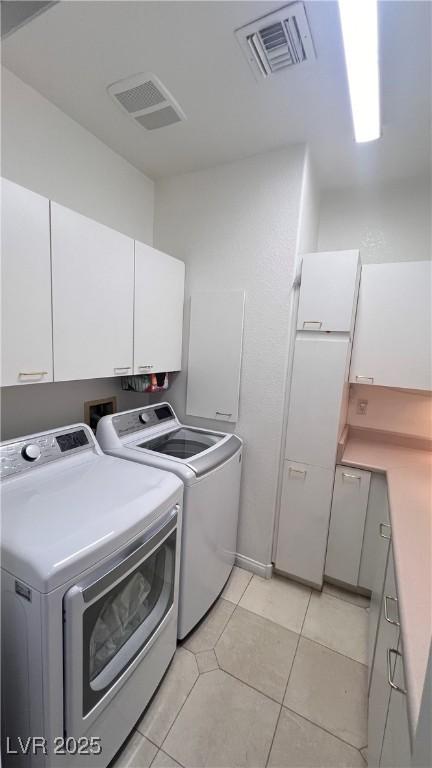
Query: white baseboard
pixel 261 569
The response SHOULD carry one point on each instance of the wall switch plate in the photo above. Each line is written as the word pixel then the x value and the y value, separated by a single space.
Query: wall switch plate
pixel 362 407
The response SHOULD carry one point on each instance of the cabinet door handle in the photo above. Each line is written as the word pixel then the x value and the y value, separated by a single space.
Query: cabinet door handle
pixel 386 613
pixel 365 379
pixel 33 373
pixel 312 325
pixel 122 368
pixel 381 530
pixel 145 367
pixel 221 413
pixel 297 472
pixel 350 478
pixel 392 684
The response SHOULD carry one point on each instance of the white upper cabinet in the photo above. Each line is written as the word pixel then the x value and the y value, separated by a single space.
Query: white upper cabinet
pixel 26 287
pixel 392 341
pixel 159 297
pixel 215 353
pixel 329 285
pixel 316 412
pixel 93 294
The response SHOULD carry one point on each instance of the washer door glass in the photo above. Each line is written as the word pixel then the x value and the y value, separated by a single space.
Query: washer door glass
pixel 119 624
pixel 183 443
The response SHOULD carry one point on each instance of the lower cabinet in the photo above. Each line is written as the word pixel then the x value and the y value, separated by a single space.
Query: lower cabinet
pixel 347 523
pixel 303 521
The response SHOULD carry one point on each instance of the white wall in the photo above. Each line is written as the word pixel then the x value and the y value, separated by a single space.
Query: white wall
pixel 390 223
pixel 235 226
pixel 46 151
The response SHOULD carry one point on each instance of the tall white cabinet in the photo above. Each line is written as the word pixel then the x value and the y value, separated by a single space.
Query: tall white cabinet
pixel 26 349
pixel 93 294
pixel 317 408
pixel 158 319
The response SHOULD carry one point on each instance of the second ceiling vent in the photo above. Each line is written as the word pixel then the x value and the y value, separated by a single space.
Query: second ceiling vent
pixel 276 41
pixel 146 101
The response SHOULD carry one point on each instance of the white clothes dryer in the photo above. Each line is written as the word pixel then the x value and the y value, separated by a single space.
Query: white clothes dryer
pixel 90 562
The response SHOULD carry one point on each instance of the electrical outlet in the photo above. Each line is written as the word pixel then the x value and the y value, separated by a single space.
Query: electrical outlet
pixel 362 407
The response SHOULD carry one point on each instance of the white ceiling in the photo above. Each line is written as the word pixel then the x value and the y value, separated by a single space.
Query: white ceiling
pixel 74 50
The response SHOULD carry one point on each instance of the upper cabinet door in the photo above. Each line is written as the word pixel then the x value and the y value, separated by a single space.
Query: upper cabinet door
pixel 215 354
pixel 392 340
pixel 93 288
pixel 328 292
pixel 26 287
pixel 159 297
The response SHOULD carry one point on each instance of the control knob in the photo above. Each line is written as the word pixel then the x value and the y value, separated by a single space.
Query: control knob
pixel 144 418
pixel 31 452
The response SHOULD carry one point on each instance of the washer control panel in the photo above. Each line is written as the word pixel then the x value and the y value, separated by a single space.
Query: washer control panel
pixel 22 455
pixel 142 418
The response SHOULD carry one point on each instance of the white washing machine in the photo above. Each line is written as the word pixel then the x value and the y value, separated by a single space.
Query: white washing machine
pixel 90 563
pixel 209 463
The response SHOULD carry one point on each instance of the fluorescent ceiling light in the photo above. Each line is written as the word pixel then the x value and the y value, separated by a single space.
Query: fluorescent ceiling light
pixel 359 20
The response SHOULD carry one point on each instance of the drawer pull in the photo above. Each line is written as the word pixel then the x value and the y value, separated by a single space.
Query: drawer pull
pixel 350 478
pixel 381 530
pixel 365 379
pixel 386 613
pixel 393 685
pixel 297 472
pixel 33 373
pixel 221 413
pixel 312 325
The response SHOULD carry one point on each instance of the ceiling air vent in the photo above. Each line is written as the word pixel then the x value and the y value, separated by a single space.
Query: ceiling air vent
pixel 276 41
pixel 146 101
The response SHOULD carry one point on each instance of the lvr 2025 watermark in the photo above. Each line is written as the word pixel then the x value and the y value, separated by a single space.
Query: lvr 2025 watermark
pixel 61 745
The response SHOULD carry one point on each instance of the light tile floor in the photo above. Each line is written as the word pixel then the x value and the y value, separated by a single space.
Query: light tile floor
pixel 274 676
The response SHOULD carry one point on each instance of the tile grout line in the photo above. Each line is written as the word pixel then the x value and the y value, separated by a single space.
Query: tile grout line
pixel 339 653
pixel 232 601
pixel 343 600
pixel 289 676
pixel 321 727
pixel 175 719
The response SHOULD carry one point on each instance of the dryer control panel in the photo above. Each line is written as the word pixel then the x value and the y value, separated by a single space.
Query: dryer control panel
pixel 17 456
pixel 142 418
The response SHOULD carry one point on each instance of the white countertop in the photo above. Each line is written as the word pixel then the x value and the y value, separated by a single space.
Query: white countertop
pixel 409 477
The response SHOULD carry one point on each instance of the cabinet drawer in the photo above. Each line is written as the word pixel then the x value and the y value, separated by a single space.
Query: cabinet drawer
pixel 347 522
pixel 303 522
